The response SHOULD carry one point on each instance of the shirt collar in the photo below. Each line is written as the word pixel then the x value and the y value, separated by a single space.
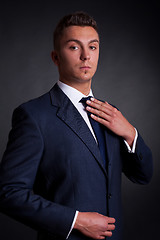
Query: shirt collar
pixel 73 94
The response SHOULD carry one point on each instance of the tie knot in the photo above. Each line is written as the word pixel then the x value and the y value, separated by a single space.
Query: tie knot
pixel 84 99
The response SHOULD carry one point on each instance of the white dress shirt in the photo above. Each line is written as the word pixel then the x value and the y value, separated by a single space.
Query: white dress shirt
pixel 75 96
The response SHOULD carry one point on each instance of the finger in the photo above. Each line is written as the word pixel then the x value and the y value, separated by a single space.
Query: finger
pixel 102 104
pixel 93 110
pixel 107 233
pixel 105 107
pixel 105 115
pixel 111 227
pixel 98 101
pixel 111 220
pixel 101 237
pixel 100 120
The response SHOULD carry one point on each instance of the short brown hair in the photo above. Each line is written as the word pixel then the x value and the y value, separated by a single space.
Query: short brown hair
pixel 76 19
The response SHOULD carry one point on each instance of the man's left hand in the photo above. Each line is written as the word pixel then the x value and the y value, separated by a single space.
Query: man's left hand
pixel 111 118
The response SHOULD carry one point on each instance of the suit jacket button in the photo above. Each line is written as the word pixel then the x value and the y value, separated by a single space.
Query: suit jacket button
pixel 109 196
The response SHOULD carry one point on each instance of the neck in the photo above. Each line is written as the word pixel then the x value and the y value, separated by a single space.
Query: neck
pixel 84 87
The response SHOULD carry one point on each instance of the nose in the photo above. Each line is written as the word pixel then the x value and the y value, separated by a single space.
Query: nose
pixel 85 55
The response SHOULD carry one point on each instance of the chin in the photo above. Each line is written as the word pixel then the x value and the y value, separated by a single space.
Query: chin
pixel 84 80
pixel 86 77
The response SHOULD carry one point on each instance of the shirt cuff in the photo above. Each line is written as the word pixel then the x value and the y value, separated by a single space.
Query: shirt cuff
pixel 74 220
pixel 132 150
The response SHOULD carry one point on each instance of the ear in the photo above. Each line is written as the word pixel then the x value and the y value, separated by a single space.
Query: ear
pixel 54 57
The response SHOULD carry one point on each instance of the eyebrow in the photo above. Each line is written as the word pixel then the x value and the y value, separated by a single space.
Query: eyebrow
pixel 79 42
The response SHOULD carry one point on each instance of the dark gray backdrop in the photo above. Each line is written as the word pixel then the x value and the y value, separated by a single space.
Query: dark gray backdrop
pixel 128 76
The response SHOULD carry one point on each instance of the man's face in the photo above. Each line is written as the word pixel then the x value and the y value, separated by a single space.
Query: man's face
pixel 78 54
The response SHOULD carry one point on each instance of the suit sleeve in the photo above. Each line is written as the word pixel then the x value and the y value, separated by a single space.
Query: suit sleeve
pixel 138 166
pixel 18 171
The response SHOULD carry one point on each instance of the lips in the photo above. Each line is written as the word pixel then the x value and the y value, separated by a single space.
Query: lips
pixel 85 67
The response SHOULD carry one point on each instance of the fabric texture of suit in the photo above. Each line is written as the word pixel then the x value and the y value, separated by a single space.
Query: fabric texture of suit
pixel 52 167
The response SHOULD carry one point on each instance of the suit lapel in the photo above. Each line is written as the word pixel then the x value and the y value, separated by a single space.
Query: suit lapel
pixel 70 115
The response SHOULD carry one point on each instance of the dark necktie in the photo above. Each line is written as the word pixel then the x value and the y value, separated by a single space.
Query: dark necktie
pixel 99 132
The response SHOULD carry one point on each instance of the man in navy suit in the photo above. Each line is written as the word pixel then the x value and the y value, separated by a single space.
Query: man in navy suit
pixel 52 176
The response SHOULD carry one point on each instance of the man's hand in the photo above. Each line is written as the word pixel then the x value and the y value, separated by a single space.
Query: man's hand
pixel 94 225
pixel 111 118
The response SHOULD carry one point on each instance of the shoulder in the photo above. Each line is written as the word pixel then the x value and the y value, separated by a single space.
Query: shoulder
pixel 35 108
pixel 36 103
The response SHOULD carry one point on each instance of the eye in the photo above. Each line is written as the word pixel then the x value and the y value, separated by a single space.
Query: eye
pixel 74 48
pixel 92 47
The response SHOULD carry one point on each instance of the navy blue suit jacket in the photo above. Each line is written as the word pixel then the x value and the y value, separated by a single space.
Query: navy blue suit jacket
pixel 52 167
